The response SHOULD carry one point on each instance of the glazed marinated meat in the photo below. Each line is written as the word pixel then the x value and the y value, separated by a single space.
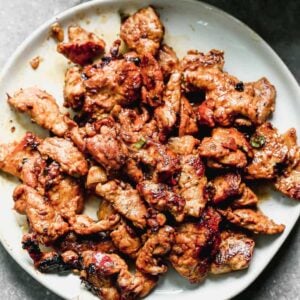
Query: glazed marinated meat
pixel 111 82
pixel 125 200
pixel 252 220
pixel 162 198
pixel 82 47
pixel 143 31
pixel 74 89
pixel 170 147
pixel 235 253
pixel 21 159
pixel 44 220
pixel 106 147
pixel 66 154
pixel 152 78
pixel 166 115
pixel 167 60
pixel 193 245
pixel 149 259
pixel 227 98
pixel 272 152
pixel 192 183
pixel 42 108
pixel 226 147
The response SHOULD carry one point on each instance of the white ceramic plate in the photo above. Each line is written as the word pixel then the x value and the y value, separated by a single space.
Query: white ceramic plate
pixel 188 25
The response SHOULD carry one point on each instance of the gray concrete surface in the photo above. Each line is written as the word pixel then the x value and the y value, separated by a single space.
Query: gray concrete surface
pixel 277 22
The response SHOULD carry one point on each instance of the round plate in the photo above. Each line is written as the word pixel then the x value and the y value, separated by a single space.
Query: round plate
pixel 189 25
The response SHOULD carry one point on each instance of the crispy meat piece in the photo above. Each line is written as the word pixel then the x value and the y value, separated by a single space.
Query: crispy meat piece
pixel 74 89
pixel 149 259
pixel 272 154
pixel 99 267
pixel 226 147
pixel 162 198
pixel 82 47
pixel 234 254
pixel 192 182
pixel 252 220
pixel 125 239
pixel 188 120
pixel 183 145
pixel 66 154
pixel 224 187
pixel 248 198
pixel 106 147
pixel 153 83
pixel 166 115
pixel 44 220
pixel 194 245
pixel 111 82
pixel 160 159
pixel 125 200
pixel 22 160
pixel 167 60
pixel 66 197
pixel 226 97
pixel 42 108
pixel 143 31
pixel 84 225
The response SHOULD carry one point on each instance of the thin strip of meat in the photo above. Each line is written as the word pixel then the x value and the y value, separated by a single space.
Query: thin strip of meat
pixel 253 220
pixel 188 120
pixel 167 60
pixel 66 154
pixel 44 220
pixel 149 259
pixel 42 108
pixel 125 200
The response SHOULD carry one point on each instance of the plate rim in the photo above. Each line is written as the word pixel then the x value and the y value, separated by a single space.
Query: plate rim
pixel 86 5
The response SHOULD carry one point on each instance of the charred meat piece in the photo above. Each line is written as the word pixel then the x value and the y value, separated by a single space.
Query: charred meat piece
pixel 143 31
pixel 224 187
pixel 227 99
pixel 100 267
pixel 234 253
pixel 149 259
pixel 163 198
pixel 84 225
pixel 183 145
pixel 66 197
pixel 166 115
pixel 192 182
pixel 22 160
pixel 106 147
pixel 252 220
pixel 125 200
pixel 248 198
pixel 44 220
pixel 74 89
pixel 42 108
pixel 272 152
pixel 226 147
pixel 167 60
pixel 188 120
pixel 194 245
pixel 111 82
pixel 66 154
pixel 125 239
pixel 153 84
pixel 82 47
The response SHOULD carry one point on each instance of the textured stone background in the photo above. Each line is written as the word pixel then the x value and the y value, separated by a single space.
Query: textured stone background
pixel 277 22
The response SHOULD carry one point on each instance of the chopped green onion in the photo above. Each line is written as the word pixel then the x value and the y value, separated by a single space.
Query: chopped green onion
pixel 257 141
pixel 140 144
